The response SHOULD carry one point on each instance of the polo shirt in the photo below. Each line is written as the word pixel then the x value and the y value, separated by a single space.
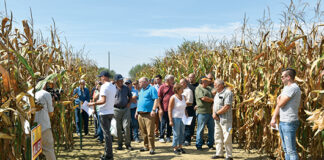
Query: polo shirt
pixel 203 107
pixel 165 92
pixel 146 99
pixel 123 95
pixel 221 99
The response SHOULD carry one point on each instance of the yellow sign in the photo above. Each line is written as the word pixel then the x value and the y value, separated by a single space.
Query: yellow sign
pixel 36 141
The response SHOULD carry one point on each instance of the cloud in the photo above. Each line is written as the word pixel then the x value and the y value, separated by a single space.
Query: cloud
pixel 198 32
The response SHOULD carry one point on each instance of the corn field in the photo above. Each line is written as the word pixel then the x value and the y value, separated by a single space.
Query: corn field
pixel 251 66
pixel 24 57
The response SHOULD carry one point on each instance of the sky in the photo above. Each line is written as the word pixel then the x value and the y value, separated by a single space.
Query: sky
pixel 136 31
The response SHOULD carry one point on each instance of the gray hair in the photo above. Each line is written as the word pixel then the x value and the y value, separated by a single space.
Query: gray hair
pixel 219 81
pixel 82 81
pixel 169 76
pixel 146 79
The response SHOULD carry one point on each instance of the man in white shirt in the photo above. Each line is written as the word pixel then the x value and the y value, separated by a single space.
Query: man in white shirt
pixel 106 111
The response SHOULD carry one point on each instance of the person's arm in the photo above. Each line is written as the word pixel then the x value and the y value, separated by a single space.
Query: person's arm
pixel 49 104
pixel 207 99
pixel 129 95
pixel 101 101
pixel 189 101
pixel 170 108
pixel 282 101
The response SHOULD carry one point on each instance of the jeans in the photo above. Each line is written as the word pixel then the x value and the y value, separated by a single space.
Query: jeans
pixel 165 124
pixel 85 120
pixel 288 136
pixel 134 124
pixel 123 119
pixel 190 129
pixel 202 120
pixel 105 126
pixel 99 130
pixel 178 132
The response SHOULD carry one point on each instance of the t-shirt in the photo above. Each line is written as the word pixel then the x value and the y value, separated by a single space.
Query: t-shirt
pixel 188 94
pixel 165 92
pixel 289 112
pixel 146 99
pixel 42 116
pixel 134 93
pixel 109 91
pixel 122 96
pixel 179 107
pixel 203 107
pixel 220 100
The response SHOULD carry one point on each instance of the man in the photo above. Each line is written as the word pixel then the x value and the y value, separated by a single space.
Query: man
pixel 222 114
pixel 158 81
pixel 133 106
pixel 147 104
pixel 165 92
pixel 204 99
pixel 106 111
pixel 287 107
pixel 42 117
pixel 211 77
pixel 189 129
pixel 122 112
pixel 82 94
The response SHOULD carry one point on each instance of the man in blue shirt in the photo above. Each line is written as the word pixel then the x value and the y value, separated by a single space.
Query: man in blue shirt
pixel 147 104
pixel 82 94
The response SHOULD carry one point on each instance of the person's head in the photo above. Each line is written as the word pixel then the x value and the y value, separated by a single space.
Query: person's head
pixel 219 85
pixel 143 82
pixel 135 84
pixel 204 81
pixel 104 76
pixel 192 78
pixel 178 89
pixel 169 79
pixel 128 83
pixel 119 80
pixel 98 84
pixel 82 83
pixel 211 77
pixel 158 79
pixel 288 76
pixel 184 83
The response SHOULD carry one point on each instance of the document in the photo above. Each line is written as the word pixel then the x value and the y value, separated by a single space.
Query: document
pixel 186 120
pixel 276 128
pixel 86 108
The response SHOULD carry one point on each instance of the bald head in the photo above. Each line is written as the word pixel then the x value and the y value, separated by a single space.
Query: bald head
pixel 192 78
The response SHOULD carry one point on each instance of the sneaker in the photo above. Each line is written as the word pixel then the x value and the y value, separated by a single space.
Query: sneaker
pixel 181 150
pixel 216 157
pixel 137 140
pixel 211 148
pixel 162 140
pixel 152 152
pixel 186 143
pixel 199 149
pixel 144 149
pixel 129 148
pixel 168 139
pixel 176 152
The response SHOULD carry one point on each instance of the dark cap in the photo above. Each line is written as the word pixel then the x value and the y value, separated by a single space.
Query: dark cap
pixel 104 73
pixel 128 81
pixel 118 77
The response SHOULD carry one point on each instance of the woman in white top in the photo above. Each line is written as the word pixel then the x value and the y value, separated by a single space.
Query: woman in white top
pixel 176 110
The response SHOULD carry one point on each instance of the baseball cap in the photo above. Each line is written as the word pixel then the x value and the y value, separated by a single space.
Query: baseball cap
pixel 104 73
pixel 128 81
pixel 204 79
pixel 118 77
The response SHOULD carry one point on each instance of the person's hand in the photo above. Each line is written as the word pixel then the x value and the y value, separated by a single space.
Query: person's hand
pixel 215 117
pixel 196 107
pixel 273 122
pixel 160 113
pixel 171 123
pixel 152 113
pixel 136 115
pixel 91 104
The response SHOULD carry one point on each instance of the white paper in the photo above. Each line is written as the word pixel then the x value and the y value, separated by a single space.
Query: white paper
pixel 276 128
pixel 86 108
pixel 26 127
pixel 186 120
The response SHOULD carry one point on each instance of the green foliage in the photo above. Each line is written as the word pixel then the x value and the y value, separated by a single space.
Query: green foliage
pixel 137 69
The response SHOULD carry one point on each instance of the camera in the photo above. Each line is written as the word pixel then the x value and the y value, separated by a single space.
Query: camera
pixel 55 93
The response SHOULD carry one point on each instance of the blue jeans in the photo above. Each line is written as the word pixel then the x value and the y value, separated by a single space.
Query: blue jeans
pixel 165 125
pixel 178 132
pixel 202 120
pixel 134 124
pixel 85 120
pixel 288 136
pixel 190 129
pixel 99 129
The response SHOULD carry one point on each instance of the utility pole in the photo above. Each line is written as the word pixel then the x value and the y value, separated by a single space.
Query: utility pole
pixel 109 60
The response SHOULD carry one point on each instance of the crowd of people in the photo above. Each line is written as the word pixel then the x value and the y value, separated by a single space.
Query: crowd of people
pixel 153 108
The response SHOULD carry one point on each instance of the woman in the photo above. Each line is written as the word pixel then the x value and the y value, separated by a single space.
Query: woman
pixel 176 110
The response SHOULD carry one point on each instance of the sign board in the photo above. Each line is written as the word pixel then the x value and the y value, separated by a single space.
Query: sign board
pixel 36 141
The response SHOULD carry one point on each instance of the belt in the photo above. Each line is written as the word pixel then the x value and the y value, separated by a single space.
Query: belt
pixel 143 112
pixel 119 107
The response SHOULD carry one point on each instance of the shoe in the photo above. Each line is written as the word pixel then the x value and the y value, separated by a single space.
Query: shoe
pixel 130 148
pixel 230 158
pixel 216 157
pixel 176 152
pixel 152 152
pixel 181 150
pixel 119 148
pixel 168 140
pixel 211 148
pixel 137 140
pixel 95 136
pixel 144 149
pixel 186 143
pixel 199 149
pixel 104 158
pixel 101 141
pixel 162 140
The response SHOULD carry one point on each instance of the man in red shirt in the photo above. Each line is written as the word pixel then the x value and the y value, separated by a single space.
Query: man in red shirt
pixel 164 93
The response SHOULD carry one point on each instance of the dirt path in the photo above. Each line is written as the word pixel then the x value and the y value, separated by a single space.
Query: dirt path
pixel 92 149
